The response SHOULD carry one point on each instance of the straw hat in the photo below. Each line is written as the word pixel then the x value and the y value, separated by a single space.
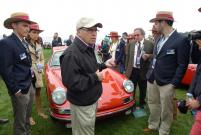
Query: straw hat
pixel 163 15
pixel 35 27
pixel 113 34
pixel 17 17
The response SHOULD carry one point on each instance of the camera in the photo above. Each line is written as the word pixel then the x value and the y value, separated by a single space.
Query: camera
pixel 194 35
pixel 181 105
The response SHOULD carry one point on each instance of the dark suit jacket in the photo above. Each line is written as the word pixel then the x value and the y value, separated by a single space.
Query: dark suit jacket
pixel 148 48
pixel 56 42
pixel 120 53
pixel 171 62
pixel 195 87
pixel 15 64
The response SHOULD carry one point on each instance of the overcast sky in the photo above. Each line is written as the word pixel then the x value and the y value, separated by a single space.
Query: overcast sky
pixel 116 15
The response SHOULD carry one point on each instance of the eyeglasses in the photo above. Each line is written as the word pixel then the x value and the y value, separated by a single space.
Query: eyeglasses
pixel 90 29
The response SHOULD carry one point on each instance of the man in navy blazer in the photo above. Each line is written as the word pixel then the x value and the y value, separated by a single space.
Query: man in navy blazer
pixel 170 60
pixel 16 72
pixel 120 53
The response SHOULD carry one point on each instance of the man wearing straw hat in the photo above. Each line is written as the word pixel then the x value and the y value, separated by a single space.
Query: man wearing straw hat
pixel 16 70
pixel 170 60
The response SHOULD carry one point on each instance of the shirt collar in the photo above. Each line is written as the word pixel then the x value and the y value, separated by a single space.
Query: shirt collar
pixel 83 46
pixel 18 36
pixel 163 37
pixel 85 43
pixel 141 42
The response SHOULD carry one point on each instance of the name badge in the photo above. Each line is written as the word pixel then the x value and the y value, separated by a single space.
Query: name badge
pixel 138 61
pixel 23 56
pixel 170 51
pixel 153 64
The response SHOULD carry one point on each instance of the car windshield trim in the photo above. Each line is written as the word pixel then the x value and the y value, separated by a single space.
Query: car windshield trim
pixel 55 61
pixel 98 58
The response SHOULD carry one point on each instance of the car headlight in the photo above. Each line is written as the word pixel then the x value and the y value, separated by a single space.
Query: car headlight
pixel 128 86
pixel 59 96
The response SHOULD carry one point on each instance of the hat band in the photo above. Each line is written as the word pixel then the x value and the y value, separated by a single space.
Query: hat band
pixel 164 16
pixel 22 17
pixel 36 28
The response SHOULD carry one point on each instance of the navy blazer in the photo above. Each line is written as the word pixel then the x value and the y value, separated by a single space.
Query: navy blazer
pixel 171 62
pixel 120 53
pixel 15 64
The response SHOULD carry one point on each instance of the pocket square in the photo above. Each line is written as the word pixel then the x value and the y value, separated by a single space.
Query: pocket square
pixel 23 56
pixel 171 51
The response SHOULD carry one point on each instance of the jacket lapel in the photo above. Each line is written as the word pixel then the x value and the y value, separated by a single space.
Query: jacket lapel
pixel 17 40
pixel 133 51
pixel 133 47
pixel 169 41
pixel 146 47
pixel 32 50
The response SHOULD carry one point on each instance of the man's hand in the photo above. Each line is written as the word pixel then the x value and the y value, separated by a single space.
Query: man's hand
pixel 146 56
pixel 198 42
pixel 100 75
pixel 110 63
pixel 193 104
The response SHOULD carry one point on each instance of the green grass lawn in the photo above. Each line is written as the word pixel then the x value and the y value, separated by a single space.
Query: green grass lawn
pixel 118 125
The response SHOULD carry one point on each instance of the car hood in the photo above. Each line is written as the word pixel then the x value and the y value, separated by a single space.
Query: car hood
pixel 57 73
pixel 113 92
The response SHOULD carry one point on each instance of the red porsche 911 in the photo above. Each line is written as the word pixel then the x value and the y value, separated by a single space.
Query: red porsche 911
pixel 117 96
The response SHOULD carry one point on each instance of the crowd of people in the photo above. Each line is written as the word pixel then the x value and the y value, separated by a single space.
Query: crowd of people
pixel 155 65
pixel 57 41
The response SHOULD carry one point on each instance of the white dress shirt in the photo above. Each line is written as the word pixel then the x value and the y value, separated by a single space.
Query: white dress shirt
pixel 135 53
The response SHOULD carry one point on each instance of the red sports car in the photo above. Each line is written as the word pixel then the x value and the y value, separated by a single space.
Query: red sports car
pixel 117 96
pixel 190 73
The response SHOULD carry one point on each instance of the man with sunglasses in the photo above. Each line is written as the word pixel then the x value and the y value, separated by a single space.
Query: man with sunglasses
pixel 170 60
pixel 138 57
pixel 82 75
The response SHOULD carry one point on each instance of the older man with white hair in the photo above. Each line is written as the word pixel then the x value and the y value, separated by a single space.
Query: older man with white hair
pixel 82 75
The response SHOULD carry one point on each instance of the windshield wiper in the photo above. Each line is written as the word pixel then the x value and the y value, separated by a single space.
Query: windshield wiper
pixel 55 65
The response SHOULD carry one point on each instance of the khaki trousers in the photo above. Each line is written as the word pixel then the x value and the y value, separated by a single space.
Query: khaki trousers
pixel 22 106
pixel 160 102
pixel 83 119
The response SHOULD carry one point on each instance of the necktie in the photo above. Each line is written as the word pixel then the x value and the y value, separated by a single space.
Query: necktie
pixel 138 55
pixel 139 49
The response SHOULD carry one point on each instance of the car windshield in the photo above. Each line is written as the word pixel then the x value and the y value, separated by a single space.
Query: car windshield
pixel 56 62
pixel 55 59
